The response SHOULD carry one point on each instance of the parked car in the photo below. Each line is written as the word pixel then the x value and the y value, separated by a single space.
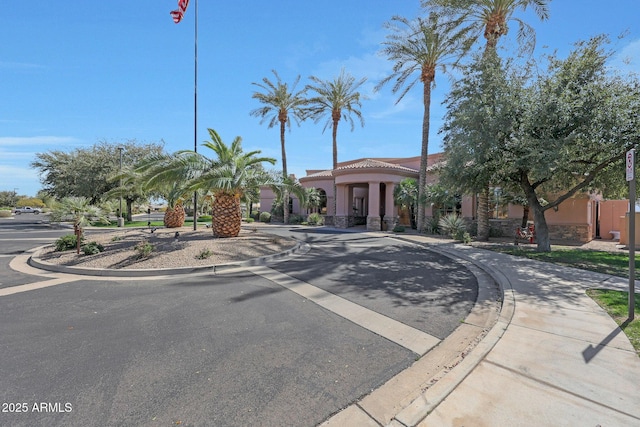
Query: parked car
pixel 26 209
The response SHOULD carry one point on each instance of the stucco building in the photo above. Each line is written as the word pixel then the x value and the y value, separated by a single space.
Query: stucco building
pixel 364 196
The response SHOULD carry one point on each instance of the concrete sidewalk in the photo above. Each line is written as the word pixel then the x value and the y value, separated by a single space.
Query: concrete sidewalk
pixel 554 358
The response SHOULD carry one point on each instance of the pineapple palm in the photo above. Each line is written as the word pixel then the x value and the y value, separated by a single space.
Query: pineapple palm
pixel 174 216
pixel 226 177
pixel 229 176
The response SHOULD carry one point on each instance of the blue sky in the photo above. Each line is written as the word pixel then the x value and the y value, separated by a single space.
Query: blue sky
pixel 75 73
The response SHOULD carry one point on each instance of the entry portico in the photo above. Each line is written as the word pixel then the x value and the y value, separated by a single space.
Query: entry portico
pixel 364 193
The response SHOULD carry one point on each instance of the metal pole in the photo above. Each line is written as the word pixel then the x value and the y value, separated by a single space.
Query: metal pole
pixel 195 114
pixel 120 220
pixel 632 247
pixel 631 177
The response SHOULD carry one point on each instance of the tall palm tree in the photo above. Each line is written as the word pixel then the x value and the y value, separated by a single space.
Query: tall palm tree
pixel 280 103
pixel 418 48
pixel 336 99
pixel 490 18
pixel 229 176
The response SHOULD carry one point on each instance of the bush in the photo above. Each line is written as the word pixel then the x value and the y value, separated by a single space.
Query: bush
pixel 204 218
pixel 454 226
pixel 249 220
pixel 5 213
pixel 265 217
pixel 66 242
pixel 432 225
pixel 92 248
pixel 295 219
pixel 144 249
pixel 466 238
pixel 204 254
pixel 399 229
pixel 315 219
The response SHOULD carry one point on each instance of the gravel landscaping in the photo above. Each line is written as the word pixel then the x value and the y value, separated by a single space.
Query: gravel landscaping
pixel 123 249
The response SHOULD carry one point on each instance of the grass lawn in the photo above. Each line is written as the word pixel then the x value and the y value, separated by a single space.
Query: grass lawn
pixel 159 223
pixel 615 264
pixel 616 303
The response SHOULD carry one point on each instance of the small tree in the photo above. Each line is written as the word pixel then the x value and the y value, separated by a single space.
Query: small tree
pixel 80 212
pixel 405 195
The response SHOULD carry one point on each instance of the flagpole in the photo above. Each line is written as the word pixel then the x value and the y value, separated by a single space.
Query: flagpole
pixel 195 113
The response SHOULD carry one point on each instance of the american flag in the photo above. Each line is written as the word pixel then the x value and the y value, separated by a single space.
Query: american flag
pixel 179 12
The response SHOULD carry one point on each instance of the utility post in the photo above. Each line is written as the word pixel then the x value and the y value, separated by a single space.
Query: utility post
pixel 120 218
pixel 631 178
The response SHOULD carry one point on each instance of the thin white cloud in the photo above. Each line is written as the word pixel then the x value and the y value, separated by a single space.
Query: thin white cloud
pixel 7 141
pixel 628 59
pixel 19 65
pixel 9 156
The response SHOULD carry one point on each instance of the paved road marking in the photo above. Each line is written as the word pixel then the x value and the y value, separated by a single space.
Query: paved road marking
pixel 410 338
pixel 33 286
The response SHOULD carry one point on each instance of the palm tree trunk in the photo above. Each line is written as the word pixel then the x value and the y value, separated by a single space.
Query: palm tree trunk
pixel 285 195
pixel 334 134
pixel 422 180
pixel 483 215
pixel 226 216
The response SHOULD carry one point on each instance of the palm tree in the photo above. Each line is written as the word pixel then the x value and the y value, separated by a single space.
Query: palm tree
pixel 278 104
pixel 336 99
pixel 405 195
pixel 229 176
pixel 490 18
pixel 81 212
pixel 418 48
pixel 284 186
pixel 313 198
pixel 167 176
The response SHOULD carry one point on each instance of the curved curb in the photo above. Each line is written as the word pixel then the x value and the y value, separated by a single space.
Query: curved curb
pixel 429 399
pixel 410 411
pixel 35 261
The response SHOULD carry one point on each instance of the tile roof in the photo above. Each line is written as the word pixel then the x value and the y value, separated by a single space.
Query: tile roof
pixel 376 164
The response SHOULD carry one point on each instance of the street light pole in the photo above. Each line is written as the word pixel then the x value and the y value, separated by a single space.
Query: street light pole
pixel 195 112
pixel 120 218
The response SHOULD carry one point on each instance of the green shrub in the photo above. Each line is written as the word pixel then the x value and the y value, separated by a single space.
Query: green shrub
pixel 204 254
pixel 454 226
pixel 144 249
pixel 66 242
pixel 432 225
pixel 92 248
pixel 295 219
pixel 265 217
pixel 249 220
pixel 315 219
pixel 399 229
pixel 204 218
pixel 466 238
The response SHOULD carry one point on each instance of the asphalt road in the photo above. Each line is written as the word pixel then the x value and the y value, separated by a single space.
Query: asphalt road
pixel 233 349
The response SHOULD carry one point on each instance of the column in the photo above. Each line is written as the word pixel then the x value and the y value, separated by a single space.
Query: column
pixel 373 216
pixel 341 219
pixel 391 214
